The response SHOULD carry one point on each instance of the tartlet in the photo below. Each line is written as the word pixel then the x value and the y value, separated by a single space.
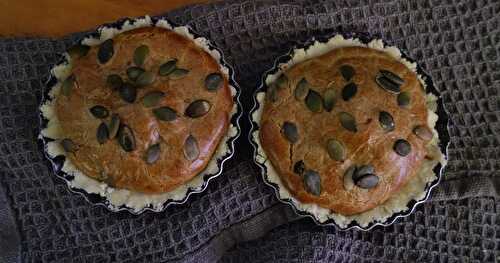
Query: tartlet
pixel 346 131
pixel 141 115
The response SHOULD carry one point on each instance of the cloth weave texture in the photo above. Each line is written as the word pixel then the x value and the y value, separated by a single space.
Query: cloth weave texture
pixel 456 41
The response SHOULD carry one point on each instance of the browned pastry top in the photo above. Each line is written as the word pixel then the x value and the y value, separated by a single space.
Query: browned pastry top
pixel 326 136
pixel 161 143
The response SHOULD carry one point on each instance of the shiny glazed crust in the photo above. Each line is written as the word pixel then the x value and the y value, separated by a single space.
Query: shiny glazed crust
pixel 128 169
pixel 369 145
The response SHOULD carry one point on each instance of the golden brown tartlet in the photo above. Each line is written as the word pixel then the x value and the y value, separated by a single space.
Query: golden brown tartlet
pixel 168 131
pixel 347 129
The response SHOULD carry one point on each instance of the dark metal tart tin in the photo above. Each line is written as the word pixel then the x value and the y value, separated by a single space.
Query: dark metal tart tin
pixel 441 127
pixel 57 162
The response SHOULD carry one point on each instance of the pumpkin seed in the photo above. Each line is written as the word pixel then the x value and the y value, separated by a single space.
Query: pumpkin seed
pixel 167 67
pixel 99 111
pixel 347 72
pixel 299 167
pixel 106 51
pixel 404 99
pixel 67 85
pixel 102 133
pixel 362 171
pixel 348 181
pixel 114 125
pixel 78 51
pixel 126 138
pixel 145 78
pixel 336 150
pixel 191 150
pixel 329 99
pixel 69 146
pixel 214 81
pixel 312 182
pixel 392 77
pixel 301 89
pixel 367 181
pixel 152 98
pixel 165 114
pixel 140 55
pixel 349 91
pixel 134 72
pixel 178 73
pixel 290 132
pixel 386 121
pixel 314 102
pixel 423 132
pixel 272 93
pixel 281 80
pixel 152 153
pixel 197 108
pixel 386 83
pixel 402 147
pixel 348 121
pixel 114 81
pixel 128 92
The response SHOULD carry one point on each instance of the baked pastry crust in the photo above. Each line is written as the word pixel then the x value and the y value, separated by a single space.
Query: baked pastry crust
pixel 370 144
pixel 108 161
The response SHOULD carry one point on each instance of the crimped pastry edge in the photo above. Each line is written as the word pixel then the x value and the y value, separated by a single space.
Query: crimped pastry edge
pixel 416 187
pixel 116 199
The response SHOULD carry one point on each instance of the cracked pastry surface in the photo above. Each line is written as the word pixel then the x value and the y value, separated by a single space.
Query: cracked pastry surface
pixel 347 129
pixel 162 140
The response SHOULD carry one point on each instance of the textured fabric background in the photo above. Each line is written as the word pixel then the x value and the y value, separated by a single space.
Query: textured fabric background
pixel 456 41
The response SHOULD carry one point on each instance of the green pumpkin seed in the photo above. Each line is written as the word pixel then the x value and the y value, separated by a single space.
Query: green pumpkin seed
pixel 69 146
pixel 402 147
pixel 301 90
pixel 214 81
pixel 329 99
pixel 348 177
pixel 145 78
pixel 272 93
pixel 134 72
pixel 114 81
pixel 106 51
pixel 362 171
pixel 99 111
pixel 386 121
pixel 102 133
pixel 281 81
pixel 312 182
pixel 178 73
pixel 165 114
pixel 367 181
pixel 404 99
pixel 348 121
pixel 191 150
pixel 140 55
pixel 290 132
pixel 299 167
pixel 347 72
pixel 152 154
pixel 349 91
pixel 114 125
pixel 387 83
pixel 78 51
pixel 314 102
pixel 423 133
pixel 128 92
pixel 336 150
pixel 197 108
pixel 126 138
pixel 152 98
pixel 392 77
pixel 167 67
pixel 67 85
